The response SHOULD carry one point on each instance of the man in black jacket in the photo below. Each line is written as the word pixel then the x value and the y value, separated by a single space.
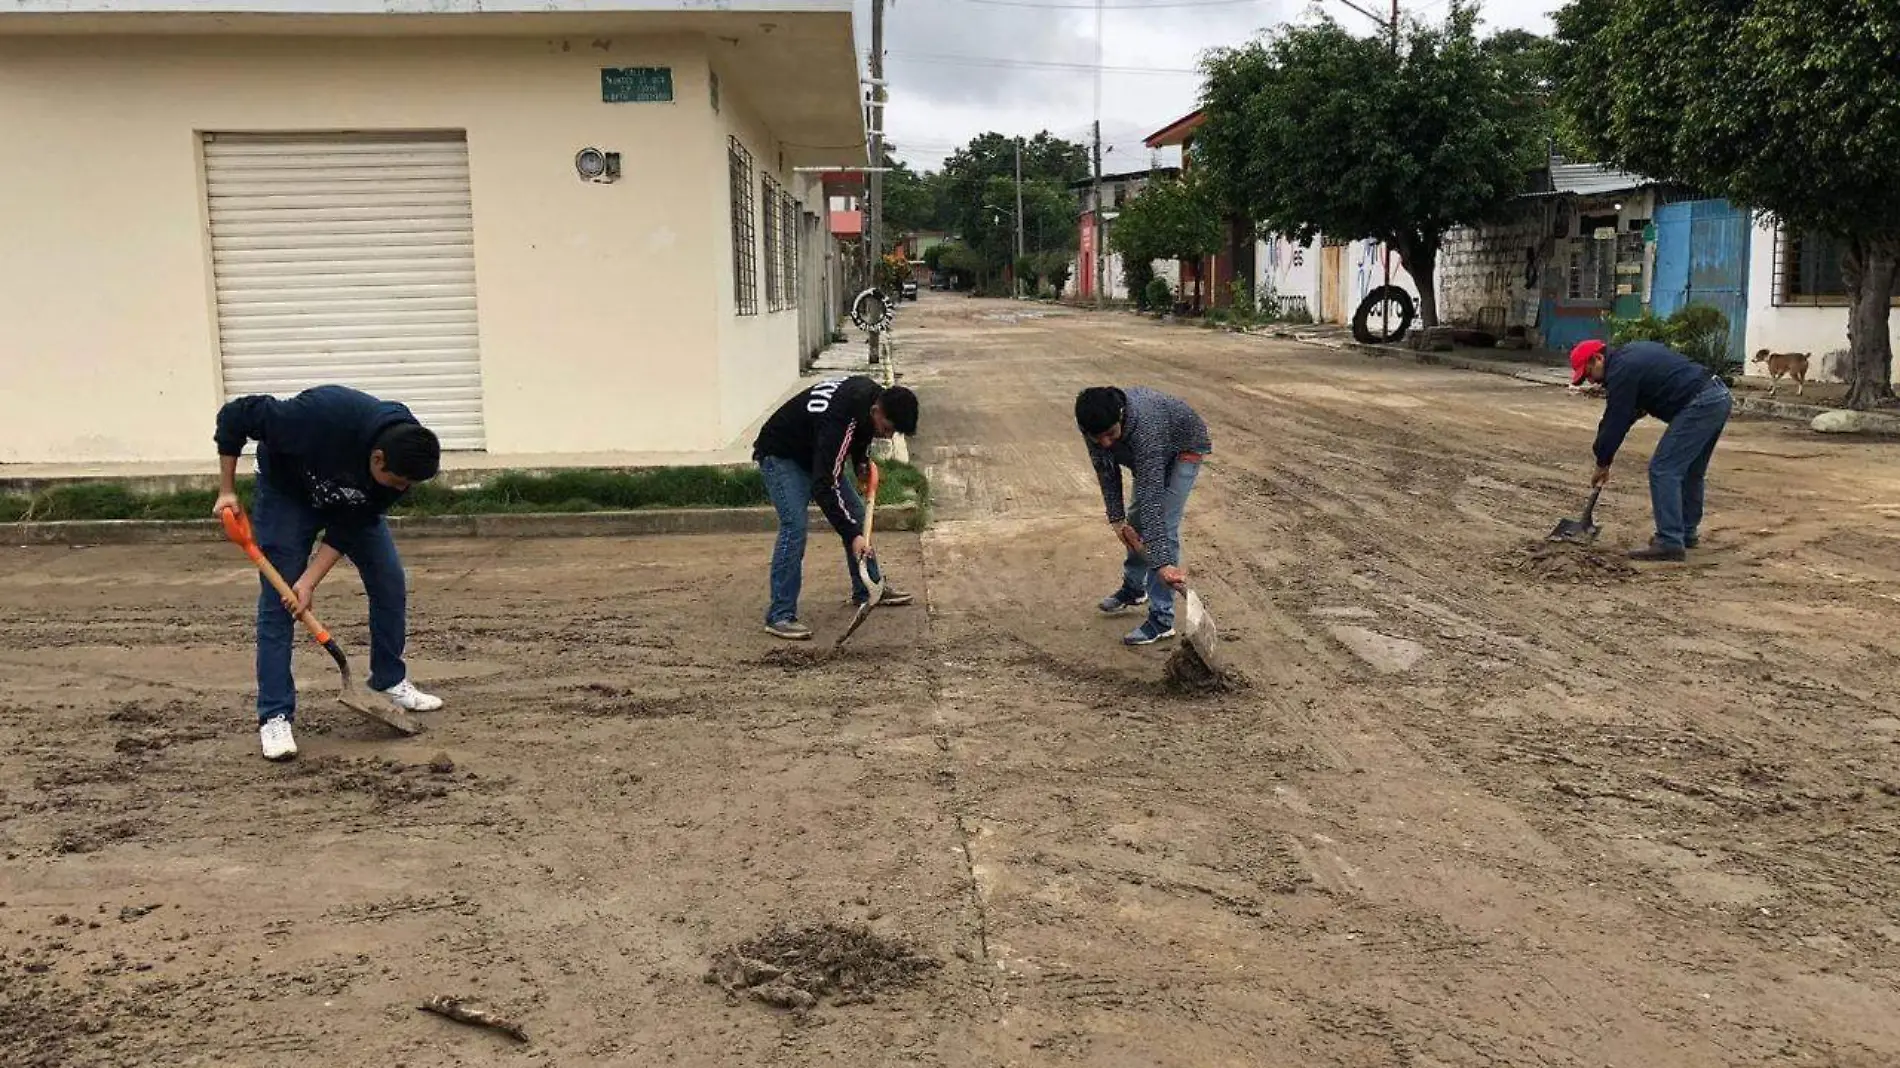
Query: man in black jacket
pixel 330 460
pixel 804 451
pixel 1646 378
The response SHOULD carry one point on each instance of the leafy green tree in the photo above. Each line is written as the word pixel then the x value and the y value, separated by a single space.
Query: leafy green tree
pixel 977 187
pixel 1785 106
pixel 1171 218
pixel 910 200
pixel 1313 130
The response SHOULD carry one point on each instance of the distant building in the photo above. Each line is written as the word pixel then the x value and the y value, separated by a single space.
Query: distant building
pixel 1117 190
pixel 546 225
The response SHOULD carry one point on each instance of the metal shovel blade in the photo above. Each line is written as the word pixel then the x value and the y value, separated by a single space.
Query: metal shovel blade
pixel 364 703
pixel 1198 630
pixel 876 588
pixel 1581 530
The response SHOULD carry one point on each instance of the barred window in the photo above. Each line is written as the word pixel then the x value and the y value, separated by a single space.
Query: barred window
pixel 745 253
pixel 788 248
pixel 774 237
pixel 1808 268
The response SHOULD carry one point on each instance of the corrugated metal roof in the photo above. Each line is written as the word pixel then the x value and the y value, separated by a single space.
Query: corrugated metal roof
pixel 1585 179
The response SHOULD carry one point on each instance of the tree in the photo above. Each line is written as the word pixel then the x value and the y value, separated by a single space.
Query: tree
pixel 1312 130
pixel 978 196
pixel 1784 106
pixel 910 202
pixel 1170 219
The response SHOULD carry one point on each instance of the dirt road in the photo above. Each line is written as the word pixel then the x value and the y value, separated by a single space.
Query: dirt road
pixel 1467 811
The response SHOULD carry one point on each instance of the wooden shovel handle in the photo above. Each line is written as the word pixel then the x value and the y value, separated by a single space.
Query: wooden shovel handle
pixel 870 502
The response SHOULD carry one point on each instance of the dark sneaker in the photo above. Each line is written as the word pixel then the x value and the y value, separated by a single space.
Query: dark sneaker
pixel 1148 633
pixel 1691 543
pixel 1657 554
pixel 789 629
pixel 1122 600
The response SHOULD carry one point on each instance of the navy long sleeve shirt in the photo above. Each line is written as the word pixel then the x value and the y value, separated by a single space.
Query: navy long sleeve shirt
pixel 316 446
pixel 1156 429
pixel 1644 378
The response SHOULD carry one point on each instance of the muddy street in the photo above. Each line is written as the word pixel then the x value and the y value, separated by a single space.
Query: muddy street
pixel 1475 804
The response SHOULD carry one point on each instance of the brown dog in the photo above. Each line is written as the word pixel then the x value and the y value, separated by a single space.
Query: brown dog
pixel 1790 364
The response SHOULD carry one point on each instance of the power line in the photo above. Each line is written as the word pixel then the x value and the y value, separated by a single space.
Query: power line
pixel 1036 64
pixel 1156 5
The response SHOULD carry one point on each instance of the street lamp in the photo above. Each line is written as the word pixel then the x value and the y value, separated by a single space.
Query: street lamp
pixel 1015 272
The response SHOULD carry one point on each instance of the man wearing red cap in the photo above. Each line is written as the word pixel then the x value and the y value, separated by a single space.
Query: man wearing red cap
pixel 1646 378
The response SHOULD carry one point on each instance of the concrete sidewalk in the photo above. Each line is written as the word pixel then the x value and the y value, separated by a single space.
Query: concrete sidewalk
pixel 1549 369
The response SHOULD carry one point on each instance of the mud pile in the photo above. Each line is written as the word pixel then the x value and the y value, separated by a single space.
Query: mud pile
pixel 827 963
pixel 1562 561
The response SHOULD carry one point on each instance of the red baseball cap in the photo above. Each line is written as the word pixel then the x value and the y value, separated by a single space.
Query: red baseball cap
pixel 1580 358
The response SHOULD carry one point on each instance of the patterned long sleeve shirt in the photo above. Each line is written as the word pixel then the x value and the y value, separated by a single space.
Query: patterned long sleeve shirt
pixel 1157 429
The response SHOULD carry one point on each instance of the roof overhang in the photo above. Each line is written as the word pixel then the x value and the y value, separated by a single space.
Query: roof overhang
pixel 1177 132
pixel 794 61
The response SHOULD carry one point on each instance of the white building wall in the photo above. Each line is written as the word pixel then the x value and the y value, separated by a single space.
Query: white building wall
pixel 1816 331
pixel 1289 271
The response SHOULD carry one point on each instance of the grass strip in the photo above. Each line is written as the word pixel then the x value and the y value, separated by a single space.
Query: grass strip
pixel 580 490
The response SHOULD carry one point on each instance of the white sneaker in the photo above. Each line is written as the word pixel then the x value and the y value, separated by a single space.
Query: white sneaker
pixel 407 697
pixel 279 743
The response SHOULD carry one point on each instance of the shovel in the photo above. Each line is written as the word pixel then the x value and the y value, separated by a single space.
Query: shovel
pixel 1196 660
pixel 1583 529
pixel 873 579
pixel 237 527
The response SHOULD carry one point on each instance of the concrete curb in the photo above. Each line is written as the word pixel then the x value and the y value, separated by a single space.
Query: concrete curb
pixel 658 521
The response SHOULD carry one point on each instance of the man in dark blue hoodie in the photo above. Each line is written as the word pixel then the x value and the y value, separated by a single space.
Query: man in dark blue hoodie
pixel 1647 378
pixel 330 460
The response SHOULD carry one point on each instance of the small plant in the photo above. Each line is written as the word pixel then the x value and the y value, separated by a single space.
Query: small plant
pixel 1698 331
pixel 1296 313
pixel 1137 275
pixel 1159 297
pixel 1241 307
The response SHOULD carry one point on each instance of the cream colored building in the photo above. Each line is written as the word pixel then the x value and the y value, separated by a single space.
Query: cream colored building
pixel 204 199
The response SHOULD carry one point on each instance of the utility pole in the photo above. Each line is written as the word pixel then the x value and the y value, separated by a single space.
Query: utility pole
pixel 875 226
pixel 1101 256
pixel 1017 274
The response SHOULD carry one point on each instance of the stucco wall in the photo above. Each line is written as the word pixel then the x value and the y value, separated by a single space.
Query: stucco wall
pixel 758 354
pixel 1290 271
pixel 1816 331
pixel 600 306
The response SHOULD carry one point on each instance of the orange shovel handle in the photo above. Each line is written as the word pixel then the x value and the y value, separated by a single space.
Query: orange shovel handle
pixel 237 527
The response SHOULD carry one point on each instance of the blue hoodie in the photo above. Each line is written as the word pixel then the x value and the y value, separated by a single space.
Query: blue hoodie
pixel 316 446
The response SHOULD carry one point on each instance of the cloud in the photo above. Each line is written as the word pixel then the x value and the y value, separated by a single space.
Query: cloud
pixel 1031 63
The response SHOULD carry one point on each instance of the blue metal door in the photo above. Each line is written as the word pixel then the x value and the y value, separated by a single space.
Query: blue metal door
pixel 1702 258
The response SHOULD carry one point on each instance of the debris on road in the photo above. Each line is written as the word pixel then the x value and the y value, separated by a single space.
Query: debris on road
pixel 467 1011
pixel 800 968
pixel 1563 561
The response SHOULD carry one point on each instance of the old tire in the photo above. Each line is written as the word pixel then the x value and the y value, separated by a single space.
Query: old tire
pixel 1362 330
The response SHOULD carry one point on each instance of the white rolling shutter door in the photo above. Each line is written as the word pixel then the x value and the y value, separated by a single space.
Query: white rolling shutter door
pixel 349 259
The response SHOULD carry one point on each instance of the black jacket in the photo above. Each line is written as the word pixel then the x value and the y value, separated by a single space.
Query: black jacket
pixel 316 445
pixel 1644 378
pixel 827 428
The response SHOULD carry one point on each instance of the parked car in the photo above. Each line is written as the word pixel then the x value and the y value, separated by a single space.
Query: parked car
pixel 908 290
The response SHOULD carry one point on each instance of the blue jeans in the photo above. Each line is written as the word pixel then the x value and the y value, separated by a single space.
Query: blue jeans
pixel 789 484
pixel 286 528
pixel 1136 574
pixel 1678 469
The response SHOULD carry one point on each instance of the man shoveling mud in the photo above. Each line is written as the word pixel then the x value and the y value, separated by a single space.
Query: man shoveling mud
pixel 803 451
pixel 330 460
pixel 1646 378
pixel 1162 441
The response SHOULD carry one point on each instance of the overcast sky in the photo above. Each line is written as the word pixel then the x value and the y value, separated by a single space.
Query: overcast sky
pixel 1026 65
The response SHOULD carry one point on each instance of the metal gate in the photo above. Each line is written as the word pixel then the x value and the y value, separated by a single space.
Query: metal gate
pixel 349 258
pixel 1702 258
